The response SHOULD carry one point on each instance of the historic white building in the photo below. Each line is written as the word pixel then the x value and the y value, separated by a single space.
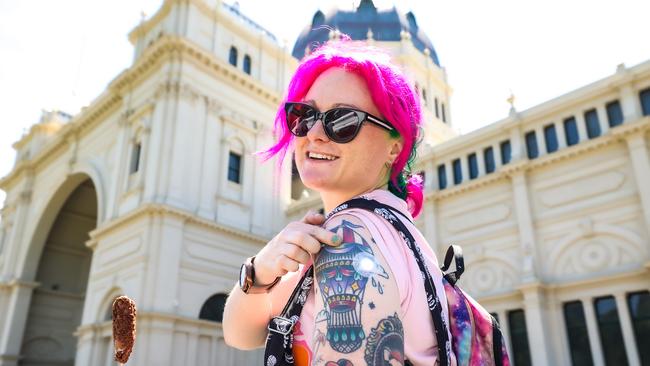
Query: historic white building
pixel 152 191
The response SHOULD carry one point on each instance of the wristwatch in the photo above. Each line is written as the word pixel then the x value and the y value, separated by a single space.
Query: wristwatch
pixel 247 279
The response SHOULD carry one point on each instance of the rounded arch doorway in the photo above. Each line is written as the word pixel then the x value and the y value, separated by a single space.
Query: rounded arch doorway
pixel 62 274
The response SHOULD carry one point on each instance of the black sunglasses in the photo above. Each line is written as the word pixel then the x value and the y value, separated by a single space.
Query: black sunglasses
pixel 341 124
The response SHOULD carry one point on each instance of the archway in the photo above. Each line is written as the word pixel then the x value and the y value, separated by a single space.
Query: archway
pixel 63 269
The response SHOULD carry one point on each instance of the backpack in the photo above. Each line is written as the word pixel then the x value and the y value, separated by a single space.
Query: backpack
pixel 476 338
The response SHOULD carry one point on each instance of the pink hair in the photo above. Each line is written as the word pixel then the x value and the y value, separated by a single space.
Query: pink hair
pixel 390 92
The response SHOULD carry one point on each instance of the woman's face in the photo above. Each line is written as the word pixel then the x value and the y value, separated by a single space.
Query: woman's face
pixel 359 164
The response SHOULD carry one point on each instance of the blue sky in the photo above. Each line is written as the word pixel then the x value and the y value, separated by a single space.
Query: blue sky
pixel 62 54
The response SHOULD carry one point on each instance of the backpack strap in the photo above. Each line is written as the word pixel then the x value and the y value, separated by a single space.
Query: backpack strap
pixel 279 341
pixel 388 213
pixel 455 253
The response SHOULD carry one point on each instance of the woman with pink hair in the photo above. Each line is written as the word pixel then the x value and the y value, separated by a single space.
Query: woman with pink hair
pixel 346 288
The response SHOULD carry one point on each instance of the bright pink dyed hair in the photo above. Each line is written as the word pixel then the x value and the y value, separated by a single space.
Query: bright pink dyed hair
pixel 390 92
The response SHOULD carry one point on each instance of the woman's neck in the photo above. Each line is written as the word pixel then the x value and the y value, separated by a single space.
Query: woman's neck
pixel 332 199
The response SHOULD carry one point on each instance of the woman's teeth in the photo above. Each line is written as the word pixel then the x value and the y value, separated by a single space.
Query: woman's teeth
pixel 321 156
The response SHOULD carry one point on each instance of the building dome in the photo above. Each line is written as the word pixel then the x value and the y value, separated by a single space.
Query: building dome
pixel 366 20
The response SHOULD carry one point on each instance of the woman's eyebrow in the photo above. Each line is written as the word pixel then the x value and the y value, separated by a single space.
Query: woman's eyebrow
pixel 335 105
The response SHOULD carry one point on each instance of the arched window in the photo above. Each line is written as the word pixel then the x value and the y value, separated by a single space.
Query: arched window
pixel 135 158
pixel 232 58
pixel 213 307
pixel 247 64
pixel 424 96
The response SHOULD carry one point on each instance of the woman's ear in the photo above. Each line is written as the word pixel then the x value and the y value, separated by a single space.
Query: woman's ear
pixel 396 146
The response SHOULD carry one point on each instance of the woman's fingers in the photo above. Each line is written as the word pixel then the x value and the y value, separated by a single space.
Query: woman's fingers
pixel 297 254
pixel 288 264
pixel 313 218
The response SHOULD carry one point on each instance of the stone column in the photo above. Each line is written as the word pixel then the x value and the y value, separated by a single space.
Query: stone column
pixel 592 330
pixel 630 104
pixel 505 329
pixel 480 162
pixel 582 127
pixel 516 145
pixel 541 142
pixel 464 168
pixel 20 295
pixel 496 151
pixel 431 226
pixel 530 259
pixel 641 164
pixel 537 325
pixel 602 119
pixel 628 333
pixel 561 137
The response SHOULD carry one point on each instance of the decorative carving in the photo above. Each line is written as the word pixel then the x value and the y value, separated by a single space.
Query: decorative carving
pixel 579 189
pixel 595 252
pixel 477 217
pixel 485 276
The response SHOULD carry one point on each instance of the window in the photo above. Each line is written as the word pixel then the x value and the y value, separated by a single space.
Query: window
pixel 571 131
pixel 213 307
pixel 435 103
pixel 506 152
pixel 232 57
pixel 551 138
pixel 234 167
pixel 519 338
pixel 442 110
pixel 458 172
pixel 135 158
pixel 639 305
pixel 488 157
pixel 247 64
pixel 609 328
pixel 473 166
pixel 593 127
pixel 531 145
pixel 576 328
pixel 644 96
pixel 442 177
pixel 614 113
pixel 424 96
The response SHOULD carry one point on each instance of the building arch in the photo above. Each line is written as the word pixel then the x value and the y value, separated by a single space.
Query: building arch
pixel 212 308
pixel 46 216
pixel 58 261
pixel 104 308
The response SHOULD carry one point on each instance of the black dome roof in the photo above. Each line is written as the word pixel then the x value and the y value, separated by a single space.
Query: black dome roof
pixel 386 25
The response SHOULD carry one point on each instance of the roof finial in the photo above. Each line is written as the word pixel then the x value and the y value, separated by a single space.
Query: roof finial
pixel 511 100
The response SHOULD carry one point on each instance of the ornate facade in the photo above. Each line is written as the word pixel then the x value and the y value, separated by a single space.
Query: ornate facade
pixel 152 191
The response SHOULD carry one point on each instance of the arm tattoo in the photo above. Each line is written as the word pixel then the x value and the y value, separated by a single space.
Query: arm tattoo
pixel 385 345
pixel 342 273
pixel 340 362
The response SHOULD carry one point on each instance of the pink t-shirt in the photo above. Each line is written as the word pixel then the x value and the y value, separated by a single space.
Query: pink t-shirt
pixel 420 346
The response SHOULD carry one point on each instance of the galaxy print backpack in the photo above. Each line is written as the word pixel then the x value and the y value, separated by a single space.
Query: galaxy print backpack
pixel 476 338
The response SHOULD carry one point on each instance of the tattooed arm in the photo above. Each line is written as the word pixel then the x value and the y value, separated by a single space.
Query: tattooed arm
pixel 357 301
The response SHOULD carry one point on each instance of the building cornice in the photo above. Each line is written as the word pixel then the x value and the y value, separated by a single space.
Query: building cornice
pixel 151 209
pixel 507 171
pixel 217 14
pixel 177 48
pixel 104 105
pixel 164 48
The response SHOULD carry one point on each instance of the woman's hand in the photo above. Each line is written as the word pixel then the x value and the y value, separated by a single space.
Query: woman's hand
pixel 293 246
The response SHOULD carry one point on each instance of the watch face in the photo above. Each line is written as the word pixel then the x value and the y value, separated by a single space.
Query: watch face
pixel 242 276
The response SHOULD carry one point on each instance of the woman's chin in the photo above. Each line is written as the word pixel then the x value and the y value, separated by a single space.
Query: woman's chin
pixel 319 184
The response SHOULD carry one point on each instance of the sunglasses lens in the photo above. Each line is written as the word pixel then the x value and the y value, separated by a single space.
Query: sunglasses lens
pixel 343 124
pixel 300 118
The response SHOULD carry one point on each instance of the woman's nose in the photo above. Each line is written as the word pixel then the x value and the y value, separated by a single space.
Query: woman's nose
pixel 317 132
